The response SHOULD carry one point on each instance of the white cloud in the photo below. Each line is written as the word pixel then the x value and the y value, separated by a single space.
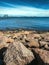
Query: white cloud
pixel 24 11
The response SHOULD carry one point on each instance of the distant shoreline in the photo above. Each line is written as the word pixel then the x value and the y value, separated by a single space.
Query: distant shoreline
pixel 20 17
pixel 38 31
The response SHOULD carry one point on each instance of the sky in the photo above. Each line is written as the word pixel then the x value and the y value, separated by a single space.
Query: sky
pixel 39 8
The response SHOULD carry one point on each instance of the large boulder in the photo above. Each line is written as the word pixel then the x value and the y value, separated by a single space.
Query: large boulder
pixel 42 56
pixel 17 54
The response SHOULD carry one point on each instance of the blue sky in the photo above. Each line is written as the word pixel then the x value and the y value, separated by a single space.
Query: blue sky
pixel 25 7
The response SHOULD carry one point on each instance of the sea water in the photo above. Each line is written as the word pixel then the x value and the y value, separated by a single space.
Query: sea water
pixel 37 23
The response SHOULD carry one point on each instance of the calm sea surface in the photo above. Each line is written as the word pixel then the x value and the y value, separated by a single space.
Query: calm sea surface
pixel 26 23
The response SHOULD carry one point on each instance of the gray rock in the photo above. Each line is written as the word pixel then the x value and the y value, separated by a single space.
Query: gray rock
pixel 18 54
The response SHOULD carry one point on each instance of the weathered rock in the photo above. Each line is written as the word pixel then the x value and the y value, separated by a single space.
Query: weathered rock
pixel 29 37
pixel 18 54
pixel 26 32
pixel 1 39
pixel 9 40
pixel 33 43
pixel 43 43
pixel 36 36
pixel 45 36
pixel 42 56
pixel 1 33
pixel 46 47
pixel 2 42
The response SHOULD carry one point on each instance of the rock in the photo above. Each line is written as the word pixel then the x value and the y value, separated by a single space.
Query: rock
pixel 33 43
pixel 27 32
pixel 8 40
pixel 43 43
pixel 1 33
pixel 30 42
pixel 2 45
pixel 45 36
pixel 29 37
pixel 42 56
pixel 17 54
pixel 2 42
pixel 36 36
pixel 15 35
pixel 46 47
pixel 1 39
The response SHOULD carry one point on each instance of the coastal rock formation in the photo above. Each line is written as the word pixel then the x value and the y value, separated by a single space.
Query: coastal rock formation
pixel 17 54
pixel 24 47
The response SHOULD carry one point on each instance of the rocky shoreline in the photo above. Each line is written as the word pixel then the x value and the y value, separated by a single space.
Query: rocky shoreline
pixel 24 47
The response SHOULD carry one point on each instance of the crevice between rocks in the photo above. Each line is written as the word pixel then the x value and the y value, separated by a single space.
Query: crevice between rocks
pixel 2 51
pixel 37 60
